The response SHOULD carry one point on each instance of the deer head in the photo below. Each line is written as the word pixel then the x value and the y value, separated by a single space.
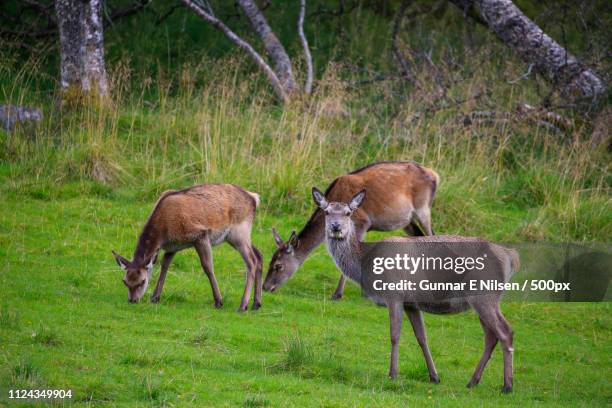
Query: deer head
pixel 338 223
pixel 284 262
pixel 137 275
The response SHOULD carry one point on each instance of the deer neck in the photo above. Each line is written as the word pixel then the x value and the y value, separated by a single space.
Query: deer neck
pixel 311 236
pixel 347 255
pixel 149 243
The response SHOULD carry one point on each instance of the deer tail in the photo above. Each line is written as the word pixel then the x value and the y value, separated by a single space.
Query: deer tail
pixel 255 197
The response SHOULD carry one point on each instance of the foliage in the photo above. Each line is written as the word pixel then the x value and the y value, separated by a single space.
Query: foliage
pixel 186 109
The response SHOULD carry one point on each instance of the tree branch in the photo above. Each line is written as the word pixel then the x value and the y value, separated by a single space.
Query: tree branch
pixel 274 48
pixel 219 25
pixel 535 47
pixel 307 55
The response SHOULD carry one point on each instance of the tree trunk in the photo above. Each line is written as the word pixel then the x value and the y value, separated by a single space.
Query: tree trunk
pixel 81 48
pixel 274 48
pixel 534 46
pixel 207 15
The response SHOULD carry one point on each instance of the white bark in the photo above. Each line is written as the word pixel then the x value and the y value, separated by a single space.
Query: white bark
pixel 274 48
pixel 304 41
pixel 93 63
pixel 209 17
pixel 535 47
pixel 81 46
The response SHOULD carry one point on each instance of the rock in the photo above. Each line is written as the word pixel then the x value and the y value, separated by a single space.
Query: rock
pixel 12 115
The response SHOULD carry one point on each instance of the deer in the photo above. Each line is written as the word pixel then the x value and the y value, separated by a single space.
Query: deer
pixel 402 196
pixel 201 217
pixel 346 248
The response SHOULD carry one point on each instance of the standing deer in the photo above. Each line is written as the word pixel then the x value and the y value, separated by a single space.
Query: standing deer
pixel 344 244
pixel 200 216
pixel 402 195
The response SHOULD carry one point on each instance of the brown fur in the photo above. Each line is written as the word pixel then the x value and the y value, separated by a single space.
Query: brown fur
pixel 400 194
pixel 345 245
pixel 200 216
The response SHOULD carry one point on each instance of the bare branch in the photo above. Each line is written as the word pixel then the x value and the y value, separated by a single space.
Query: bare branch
pixel 307 55
pixel 533 45
pixel 274 48
pixel 522 77
pixel 233 37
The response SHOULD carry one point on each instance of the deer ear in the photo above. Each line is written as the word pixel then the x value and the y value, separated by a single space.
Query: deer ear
pixel 357 200
pixel 293 240
pixel 319 198
pixel 277 238
pixel 121 261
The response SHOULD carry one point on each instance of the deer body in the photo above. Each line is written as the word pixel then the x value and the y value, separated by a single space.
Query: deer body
pixel 346 248
pixel 401 195
pixel 201 216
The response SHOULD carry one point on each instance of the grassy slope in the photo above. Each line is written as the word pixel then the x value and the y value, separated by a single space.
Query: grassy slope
pixel 65 323
pixel 84 183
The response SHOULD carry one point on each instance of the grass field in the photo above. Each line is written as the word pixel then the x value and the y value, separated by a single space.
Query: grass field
pixel 186 107
pixel 65 323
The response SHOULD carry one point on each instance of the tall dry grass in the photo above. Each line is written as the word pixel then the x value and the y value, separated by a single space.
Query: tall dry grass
pixel 512 179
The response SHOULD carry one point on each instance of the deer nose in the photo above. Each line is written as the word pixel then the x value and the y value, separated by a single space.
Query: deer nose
pixel 335 226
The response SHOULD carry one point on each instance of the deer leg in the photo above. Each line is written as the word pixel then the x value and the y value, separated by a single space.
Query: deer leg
pixel 340 288
pixel 490 341
pixel 507 341
pixel 492 318
pixel 360 229
pixel 204 250
pixel 395 320
pixel 423 214
pixel 413 229
pixel 258 277
pixel 418 326
pixel 251 266
pixel 162 276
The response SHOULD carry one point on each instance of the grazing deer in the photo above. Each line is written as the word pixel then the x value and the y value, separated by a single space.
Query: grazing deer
pixel 402 195
pixel 343 243
pixel 200 216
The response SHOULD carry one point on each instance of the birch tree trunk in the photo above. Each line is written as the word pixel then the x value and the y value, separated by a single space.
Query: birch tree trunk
pixel 534 46
pixel 82 69
pixel 274 48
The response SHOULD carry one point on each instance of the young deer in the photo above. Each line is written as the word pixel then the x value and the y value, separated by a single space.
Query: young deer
pixel 402 195
pixel 200 216
pixel 344 244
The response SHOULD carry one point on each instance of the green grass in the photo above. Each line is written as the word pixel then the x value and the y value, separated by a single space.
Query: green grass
pixel 65 323
pixel 188 108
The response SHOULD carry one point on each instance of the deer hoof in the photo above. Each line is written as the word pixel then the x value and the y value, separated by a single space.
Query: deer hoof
pixel 392 375
pixel 218 304
pixel 506 389
pixel 472 384
pixel 336 296
pixel 242 309
pixel 154 299
pixel 256 305
pixel 434 379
